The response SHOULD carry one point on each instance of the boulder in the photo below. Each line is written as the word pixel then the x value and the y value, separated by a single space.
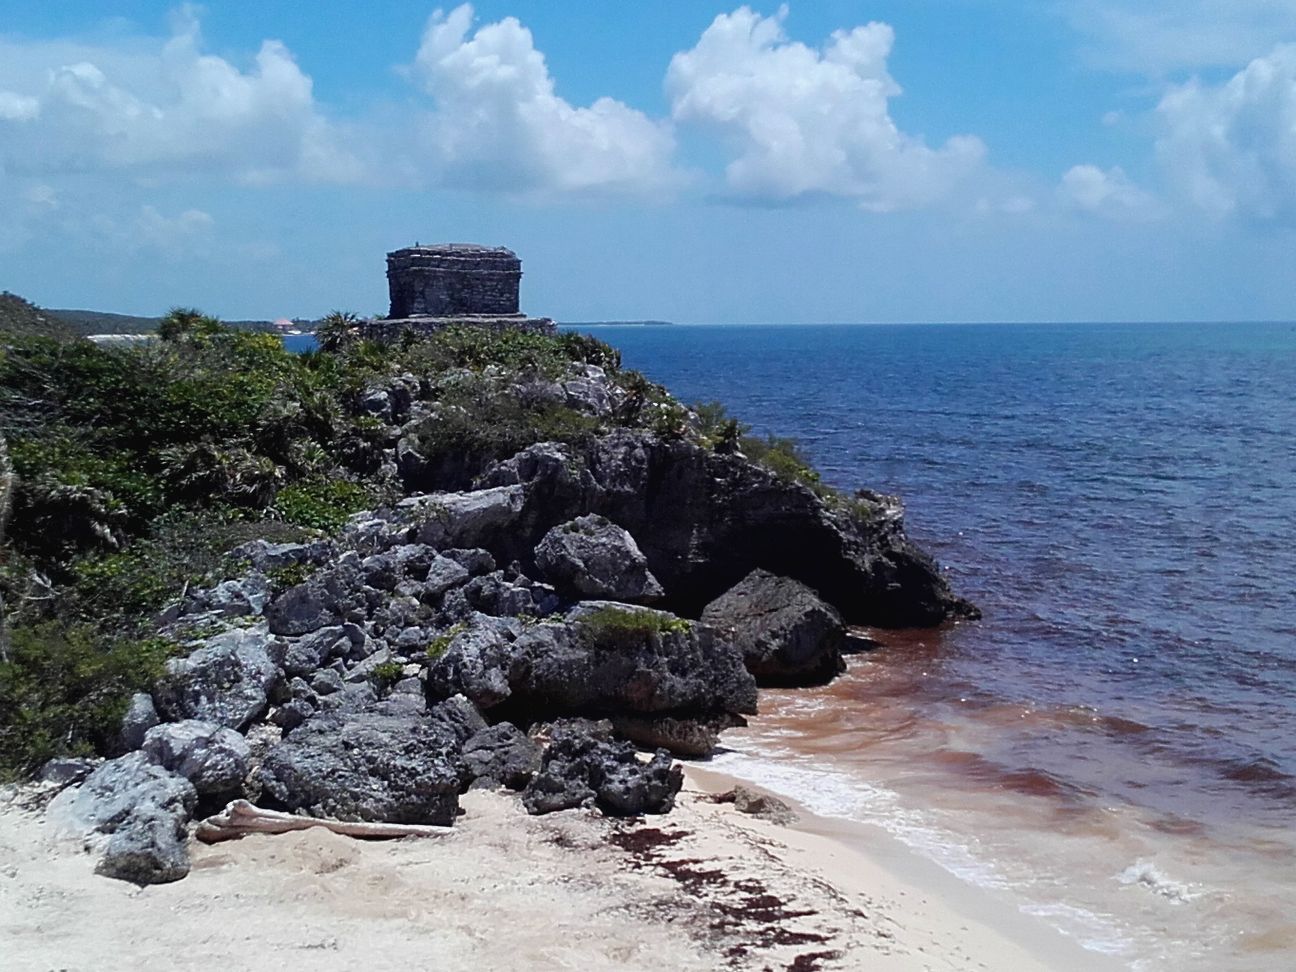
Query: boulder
pixel 788 635
pixel 580 768
pixel 704 520
pixel 264 555
pixel 604 658
pixel 66 770
pixel 468 519
pixel 330 597
pixel 213 758
pixel 501 755
pixel 143 807
pixel 148 848
pixel 459 717
pixel 141 716
pixel 385 763
pixel 227 681
pixel 591 556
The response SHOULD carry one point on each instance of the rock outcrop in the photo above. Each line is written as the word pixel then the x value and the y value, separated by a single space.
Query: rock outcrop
pixel 227 681
pixel 592 557
pixel 787 634
pixel 390 763
pixel 584 766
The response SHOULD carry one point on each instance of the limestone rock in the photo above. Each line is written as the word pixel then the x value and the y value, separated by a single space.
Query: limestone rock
pixel 213 758
pixel 591 556
pixel 604 658
pixel 788 635
pixel 143 807
pixel 580 769
pixel 501 755
pixel 227 681
pixel 387 763
pixel 141 716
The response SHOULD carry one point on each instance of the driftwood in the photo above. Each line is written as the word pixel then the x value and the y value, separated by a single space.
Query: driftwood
pixel 241 818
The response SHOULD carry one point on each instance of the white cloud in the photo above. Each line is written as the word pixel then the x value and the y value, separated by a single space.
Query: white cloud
pixel 163 108
pixel 1158 37
pixel 1232 147
pixel 1105 192
pixel 498 122
pixel 16 108
pixel 807 121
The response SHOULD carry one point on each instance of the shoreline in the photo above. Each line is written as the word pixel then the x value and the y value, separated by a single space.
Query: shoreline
pixel 865 857
pixel 701 888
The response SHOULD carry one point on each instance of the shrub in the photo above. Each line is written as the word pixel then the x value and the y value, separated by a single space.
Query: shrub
pixel 64 690
pixel 322 504
pixel 386 674
pixel 439 645
pixel 784 458
pixel 612 628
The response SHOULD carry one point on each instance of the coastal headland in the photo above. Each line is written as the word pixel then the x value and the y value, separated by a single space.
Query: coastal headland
pixel 477 579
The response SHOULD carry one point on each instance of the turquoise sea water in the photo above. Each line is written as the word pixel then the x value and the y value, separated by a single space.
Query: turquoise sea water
pixel 1121 502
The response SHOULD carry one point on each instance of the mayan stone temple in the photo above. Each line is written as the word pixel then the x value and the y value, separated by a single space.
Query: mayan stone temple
pixel 433 287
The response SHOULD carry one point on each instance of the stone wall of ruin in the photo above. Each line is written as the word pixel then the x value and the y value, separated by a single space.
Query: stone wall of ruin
pixel 453 281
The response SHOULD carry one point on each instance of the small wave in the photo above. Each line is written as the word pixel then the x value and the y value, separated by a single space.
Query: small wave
pixel 1147 875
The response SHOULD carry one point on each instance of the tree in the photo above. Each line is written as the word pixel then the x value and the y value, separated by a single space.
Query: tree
pixel 184 322
pixel 335 329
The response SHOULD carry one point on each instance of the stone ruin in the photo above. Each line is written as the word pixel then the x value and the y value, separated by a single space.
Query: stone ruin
pixel 434 287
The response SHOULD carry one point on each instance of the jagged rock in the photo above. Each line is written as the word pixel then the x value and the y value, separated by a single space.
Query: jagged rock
pixel 446 572
pixel 460 717
pixel 141 716
pixel 240 597
pixel 330 597
pixel 581 769
pixel 144 803
pixel 705 520
pixel 501 755
pixel 64 771
pixel 364 671
pixel 471 519
pixel 602 659
pixel 386 763
pixel 788 635
pixel 410 560
pixel 591 556
pixel 227 681
pixel 213 758
pixel 148 848
pixel 264 555
pixel 588 394
pixel 309 653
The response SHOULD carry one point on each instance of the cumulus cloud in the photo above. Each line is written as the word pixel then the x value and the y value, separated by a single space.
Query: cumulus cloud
pixel 808 121
pixel 1232 147
pixel 165 108
pixel 498 122
pixel 1105 192
pixel 1158 37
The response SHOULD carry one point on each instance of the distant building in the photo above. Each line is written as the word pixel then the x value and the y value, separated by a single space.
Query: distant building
pixel 433 287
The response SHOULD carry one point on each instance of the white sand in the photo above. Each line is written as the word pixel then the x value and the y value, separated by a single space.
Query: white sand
pixel 703 888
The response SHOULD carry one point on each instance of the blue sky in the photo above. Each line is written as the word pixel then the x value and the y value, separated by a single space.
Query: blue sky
pixel 817 161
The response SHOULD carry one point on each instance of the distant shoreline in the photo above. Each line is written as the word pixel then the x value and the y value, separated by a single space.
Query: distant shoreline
pixel 616 324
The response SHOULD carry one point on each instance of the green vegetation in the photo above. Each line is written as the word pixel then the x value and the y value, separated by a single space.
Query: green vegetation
pixel 613 628
pixel 138 467
pixel 386 674
pixel 441 643
pixel 64 690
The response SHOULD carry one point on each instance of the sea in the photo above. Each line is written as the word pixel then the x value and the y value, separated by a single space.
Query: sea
pixel 1113 746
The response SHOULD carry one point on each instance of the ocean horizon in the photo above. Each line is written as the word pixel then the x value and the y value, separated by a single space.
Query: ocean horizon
pixel 1111 742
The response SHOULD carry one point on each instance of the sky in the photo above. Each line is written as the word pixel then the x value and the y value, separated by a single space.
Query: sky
pixel 841 160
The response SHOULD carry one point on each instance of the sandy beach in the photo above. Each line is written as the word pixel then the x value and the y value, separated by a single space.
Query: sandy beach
pixel 705 887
